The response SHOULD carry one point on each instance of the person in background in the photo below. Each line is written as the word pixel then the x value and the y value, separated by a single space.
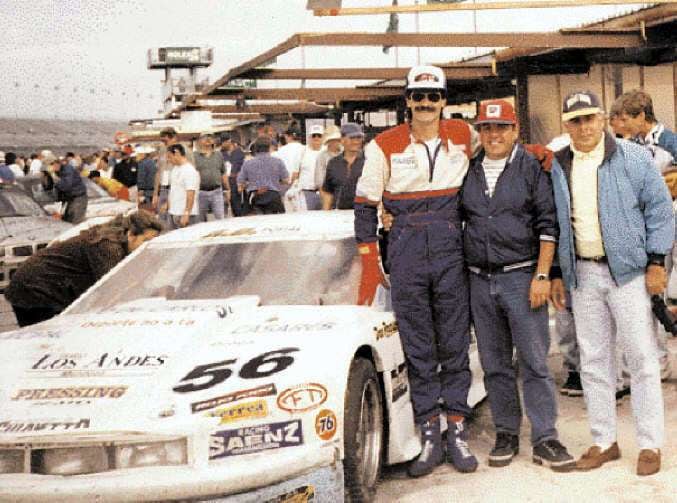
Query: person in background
pixel 11 161
pixel 6 175
pixel 184 185
pixel 331 142
pixel 52 279
pixel 36 164
pixel 307 185
pixel 126 171
pixel 70 190
pixel 145 180
pixel 169 137
pixel 344 170
pixel 638 117
pixel 292 151
pixel 213 178
pixel 234 157
pixel 261 179
pixel 111 185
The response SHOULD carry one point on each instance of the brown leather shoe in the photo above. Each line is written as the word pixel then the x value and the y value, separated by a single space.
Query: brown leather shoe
pixel 596 457
pixel 648 462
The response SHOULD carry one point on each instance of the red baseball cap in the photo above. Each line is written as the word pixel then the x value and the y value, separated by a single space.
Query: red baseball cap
pixel 496 112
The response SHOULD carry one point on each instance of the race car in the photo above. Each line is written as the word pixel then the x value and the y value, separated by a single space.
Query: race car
pixel 225 360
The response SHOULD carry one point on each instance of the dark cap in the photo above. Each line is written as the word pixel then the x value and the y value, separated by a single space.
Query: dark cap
pixel 352 130
pixel 580 103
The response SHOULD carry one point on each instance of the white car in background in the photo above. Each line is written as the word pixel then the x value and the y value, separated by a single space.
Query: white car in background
pixel 99 202
pixel 224 360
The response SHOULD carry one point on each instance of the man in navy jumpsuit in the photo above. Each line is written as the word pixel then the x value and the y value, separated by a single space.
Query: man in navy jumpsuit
pixel 510 237
pixel 416 170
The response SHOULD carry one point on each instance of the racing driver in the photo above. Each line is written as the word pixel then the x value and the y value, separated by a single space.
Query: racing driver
pixel 416 169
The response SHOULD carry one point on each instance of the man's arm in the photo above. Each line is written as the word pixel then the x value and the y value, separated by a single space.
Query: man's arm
pixel 369 192
pixel 539 292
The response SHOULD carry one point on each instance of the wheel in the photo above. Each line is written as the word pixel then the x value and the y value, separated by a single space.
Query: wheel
pixel 363 431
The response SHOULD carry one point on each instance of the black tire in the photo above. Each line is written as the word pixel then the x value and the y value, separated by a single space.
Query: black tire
pixel 362 432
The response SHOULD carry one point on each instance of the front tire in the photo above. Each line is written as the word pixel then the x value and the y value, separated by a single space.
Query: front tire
pixel 363 431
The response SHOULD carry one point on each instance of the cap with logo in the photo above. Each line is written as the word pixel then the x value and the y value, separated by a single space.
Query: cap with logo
pixel 426 77
pixel 316 129
pixel 496 112
pixel 580 103
pixel 352 130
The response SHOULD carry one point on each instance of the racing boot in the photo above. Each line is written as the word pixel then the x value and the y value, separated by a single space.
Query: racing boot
pixel 458 452
pixel 431 450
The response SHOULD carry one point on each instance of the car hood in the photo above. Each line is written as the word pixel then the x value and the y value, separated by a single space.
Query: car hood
pixel 116 371
pixel 22 229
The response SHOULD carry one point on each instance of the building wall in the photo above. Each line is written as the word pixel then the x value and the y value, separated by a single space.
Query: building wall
pixel 546 93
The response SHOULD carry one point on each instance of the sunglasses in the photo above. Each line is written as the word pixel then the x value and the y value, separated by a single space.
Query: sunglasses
pixel 316 135
pixel 433 97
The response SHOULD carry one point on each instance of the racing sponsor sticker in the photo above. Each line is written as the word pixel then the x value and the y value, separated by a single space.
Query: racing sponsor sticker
pixel 103 361
pixel 259 391
pixel 402 161
pixel 87 392
pixel 29 335
pixel 385 330
pixel 302 397
pixel 325 424
pixel 43 425
pixel 284 327
pixel 136 323
pixel 255 439
pixel 303 494
pixel 399 382
pixel 246 410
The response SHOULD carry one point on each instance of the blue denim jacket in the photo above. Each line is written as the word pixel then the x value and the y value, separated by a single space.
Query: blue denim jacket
pixel 634 205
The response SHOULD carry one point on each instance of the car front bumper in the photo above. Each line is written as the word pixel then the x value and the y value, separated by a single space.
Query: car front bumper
pixel 241 479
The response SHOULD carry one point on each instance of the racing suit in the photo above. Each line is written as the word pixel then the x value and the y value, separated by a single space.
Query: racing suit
pixel 419 186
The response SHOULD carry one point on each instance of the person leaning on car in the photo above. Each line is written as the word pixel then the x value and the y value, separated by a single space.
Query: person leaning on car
pixel 49 281
pixel 261 177
pixel 70 190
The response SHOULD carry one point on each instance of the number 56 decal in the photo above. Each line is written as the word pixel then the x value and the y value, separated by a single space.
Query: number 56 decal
pixel 211 374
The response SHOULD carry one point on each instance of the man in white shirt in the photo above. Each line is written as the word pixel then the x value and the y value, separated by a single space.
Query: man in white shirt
pixel 184 185
pixel 292 153
pixel 309 189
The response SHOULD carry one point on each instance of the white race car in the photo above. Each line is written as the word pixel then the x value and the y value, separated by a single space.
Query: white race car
pixel 225 360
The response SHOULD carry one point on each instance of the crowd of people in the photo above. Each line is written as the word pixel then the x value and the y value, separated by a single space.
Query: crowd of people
pixel 480 227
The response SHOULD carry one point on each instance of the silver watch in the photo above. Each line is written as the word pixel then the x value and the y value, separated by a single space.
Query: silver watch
pixel 542 277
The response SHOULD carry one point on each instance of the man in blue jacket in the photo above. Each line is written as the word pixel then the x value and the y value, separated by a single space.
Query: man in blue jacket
pixel 70 190
pixel 616 226
pixel 509 243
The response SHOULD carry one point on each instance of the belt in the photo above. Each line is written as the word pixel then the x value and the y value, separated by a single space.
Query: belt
pixel 601 259
pixel 210 189
pixel 166 187
pixel 488 272
pixel 309 190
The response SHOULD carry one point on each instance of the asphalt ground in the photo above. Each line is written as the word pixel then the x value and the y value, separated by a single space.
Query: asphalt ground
pixel 523 481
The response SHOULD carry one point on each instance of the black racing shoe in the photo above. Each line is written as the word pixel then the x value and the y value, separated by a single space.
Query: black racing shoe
pixel 621 394
pixel 507 447
pixel 431 454
pixel 553 454
pixel 573 385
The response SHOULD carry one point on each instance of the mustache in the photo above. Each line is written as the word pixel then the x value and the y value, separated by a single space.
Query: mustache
pixel 424 109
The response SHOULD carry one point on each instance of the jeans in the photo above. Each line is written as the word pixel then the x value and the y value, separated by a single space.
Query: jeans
pixel 504 319
pixel 313 201
pixel 211 200
pixel 595 301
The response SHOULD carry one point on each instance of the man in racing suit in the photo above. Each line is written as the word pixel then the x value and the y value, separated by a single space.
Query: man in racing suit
pixel 416 170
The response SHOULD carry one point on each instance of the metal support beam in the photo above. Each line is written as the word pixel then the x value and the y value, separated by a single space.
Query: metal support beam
pixel 438 7
pixel 317 94
pixel 452 72
pixel 297 108
pixel 572 38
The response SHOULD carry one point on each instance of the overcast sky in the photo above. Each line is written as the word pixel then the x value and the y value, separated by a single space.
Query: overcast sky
pixel 87 58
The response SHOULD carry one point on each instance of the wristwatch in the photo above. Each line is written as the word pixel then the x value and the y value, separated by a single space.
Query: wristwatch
pixel 542 277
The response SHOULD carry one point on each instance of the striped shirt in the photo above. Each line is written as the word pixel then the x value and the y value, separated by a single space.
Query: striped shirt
pixel 492 170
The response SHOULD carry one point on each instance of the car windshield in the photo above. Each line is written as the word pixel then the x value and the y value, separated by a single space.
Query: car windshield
pixel 14 203
pixel 280 272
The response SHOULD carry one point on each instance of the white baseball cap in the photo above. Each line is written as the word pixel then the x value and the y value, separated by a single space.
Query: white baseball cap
pixel 426 77
pixel 316 129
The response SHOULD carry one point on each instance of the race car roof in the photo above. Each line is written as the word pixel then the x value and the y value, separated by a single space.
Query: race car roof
pixel 309 225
